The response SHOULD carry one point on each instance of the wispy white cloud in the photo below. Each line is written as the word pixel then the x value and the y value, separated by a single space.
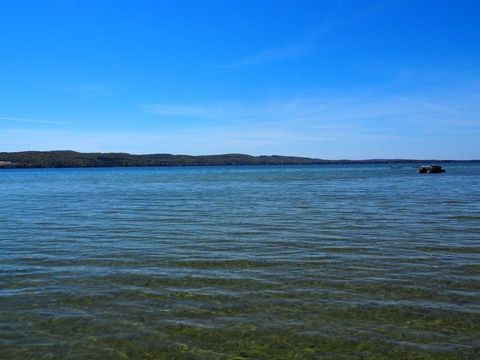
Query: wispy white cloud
pixel 322 110
pixel 429 105
pixel 361 125
pixel 333 20
pixel 28 120
pixel 272 54
pixel 200 111
pixel 347 122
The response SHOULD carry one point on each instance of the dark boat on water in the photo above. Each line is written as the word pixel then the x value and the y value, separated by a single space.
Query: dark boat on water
pixel 433 169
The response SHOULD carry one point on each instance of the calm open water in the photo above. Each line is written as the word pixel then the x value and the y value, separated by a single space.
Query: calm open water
pixel 285 262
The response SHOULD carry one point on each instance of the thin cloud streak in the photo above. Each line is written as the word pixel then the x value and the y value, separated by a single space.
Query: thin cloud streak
pixel 304 47
pixel 180 110
pixel 352 122
pixel 318 111
pixel 39 121
pixel 271 55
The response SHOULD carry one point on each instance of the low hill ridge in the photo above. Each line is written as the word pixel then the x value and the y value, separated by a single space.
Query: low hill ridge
pixel 69 158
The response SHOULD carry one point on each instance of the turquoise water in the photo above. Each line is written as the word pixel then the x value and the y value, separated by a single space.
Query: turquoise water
pixel 286 262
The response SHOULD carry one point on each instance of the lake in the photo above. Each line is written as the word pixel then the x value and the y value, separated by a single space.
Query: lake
pixel 244 262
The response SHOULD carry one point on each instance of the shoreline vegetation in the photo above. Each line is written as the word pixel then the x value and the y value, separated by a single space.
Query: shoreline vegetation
pixel 72 159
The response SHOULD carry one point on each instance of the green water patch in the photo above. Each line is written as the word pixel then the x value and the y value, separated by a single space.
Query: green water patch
pixel 188 325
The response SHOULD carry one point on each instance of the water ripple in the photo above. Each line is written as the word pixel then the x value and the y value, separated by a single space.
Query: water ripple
pixel 247 262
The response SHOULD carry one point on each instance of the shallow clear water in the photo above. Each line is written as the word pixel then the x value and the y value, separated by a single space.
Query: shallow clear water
pixel 292 262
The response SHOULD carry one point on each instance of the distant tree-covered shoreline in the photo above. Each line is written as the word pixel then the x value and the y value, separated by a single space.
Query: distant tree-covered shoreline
pixel 68 159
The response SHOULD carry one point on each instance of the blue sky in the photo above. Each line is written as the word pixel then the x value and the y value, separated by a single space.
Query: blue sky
pixel 327 79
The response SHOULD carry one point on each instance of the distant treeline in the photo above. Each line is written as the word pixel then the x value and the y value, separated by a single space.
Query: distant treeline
pixel 64 159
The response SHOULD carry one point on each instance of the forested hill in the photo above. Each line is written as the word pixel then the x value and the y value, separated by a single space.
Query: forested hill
pixel 42 159
pixel 61 159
